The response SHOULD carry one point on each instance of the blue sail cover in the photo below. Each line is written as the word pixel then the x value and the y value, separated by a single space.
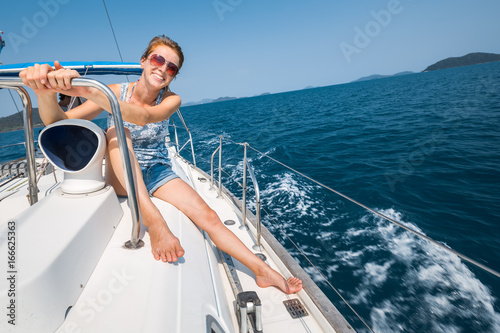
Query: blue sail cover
pixel 83 67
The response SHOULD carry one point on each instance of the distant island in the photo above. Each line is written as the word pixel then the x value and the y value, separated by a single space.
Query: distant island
pixel 378 76
pixel 14 122
pixel 466 60
pixel 208 100
pixel 220 99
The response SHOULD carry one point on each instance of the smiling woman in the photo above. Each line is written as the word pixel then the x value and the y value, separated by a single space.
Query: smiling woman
pixel 146 106
pixel 163 40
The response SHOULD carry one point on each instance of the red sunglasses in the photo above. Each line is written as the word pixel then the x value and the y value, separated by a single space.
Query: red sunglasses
pixel 157 60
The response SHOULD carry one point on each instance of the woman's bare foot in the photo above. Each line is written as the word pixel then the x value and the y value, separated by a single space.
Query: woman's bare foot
pixel 269 277
pixel 164 245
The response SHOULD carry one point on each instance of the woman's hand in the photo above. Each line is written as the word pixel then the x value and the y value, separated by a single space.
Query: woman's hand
pixel 35 77
pixel 44 78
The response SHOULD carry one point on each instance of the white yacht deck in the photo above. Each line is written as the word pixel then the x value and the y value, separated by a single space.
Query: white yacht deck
pixel 129 291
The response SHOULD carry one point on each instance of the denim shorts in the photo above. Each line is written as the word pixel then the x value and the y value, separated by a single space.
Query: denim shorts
pixel 157 175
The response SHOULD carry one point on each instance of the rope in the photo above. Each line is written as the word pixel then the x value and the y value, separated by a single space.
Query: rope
pixel 41 169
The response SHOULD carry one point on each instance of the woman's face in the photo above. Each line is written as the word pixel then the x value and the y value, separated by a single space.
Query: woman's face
pixel 158 76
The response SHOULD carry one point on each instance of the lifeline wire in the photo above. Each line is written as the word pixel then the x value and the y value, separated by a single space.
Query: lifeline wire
pixel 317 269
pixel 464 257
pixel 295 245
pixel 460 255
pixel 13 100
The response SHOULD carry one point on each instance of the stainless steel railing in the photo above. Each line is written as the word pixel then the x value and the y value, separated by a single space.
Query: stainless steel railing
pixel 219 149
pixel 181 117
pixel 246 166
pixel 17 85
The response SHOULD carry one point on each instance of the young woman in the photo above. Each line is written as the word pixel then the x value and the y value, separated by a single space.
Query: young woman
pixel 146 106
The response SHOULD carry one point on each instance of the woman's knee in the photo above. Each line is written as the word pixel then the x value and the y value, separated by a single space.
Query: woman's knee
pixel 211 218
pixel 111 134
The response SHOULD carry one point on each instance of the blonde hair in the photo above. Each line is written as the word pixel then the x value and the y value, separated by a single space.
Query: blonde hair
pixel 164 40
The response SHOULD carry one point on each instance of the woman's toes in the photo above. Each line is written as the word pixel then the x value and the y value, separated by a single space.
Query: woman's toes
pixel 155 253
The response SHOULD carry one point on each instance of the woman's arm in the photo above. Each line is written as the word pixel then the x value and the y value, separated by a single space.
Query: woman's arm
pixel 46 83
pixel 137 114
pixel 132 113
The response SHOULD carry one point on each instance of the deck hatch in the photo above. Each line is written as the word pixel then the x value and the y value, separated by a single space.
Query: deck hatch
pixel 295 308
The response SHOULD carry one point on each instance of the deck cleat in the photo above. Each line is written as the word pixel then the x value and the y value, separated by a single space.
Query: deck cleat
pixel 248 304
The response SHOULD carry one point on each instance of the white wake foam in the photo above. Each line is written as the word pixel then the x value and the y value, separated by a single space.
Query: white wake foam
pixel 437 291
pixel 406 283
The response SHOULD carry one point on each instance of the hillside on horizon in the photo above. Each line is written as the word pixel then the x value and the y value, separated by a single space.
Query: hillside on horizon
pixel 378 76
pixel 466 60
pixel 475 58
pixel 14 122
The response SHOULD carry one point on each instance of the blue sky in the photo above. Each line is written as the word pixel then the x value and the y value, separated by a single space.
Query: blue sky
pixel 244 48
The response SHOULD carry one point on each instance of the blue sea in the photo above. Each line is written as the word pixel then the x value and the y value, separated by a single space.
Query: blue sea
pixel 423 149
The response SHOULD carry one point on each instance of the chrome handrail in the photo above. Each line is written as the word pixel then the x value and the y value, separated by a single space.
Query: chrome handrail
pixel 246 165
pixel 212 168
pixel 30 144
pixel 181 117
pixel 244 186
pixel 219 149
pixel 175 135
pixel 17 84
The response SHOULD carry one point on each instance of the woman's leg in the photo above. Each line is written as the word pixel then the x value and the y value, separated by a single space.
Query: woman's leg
pixel 182 196
pixel 164 245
